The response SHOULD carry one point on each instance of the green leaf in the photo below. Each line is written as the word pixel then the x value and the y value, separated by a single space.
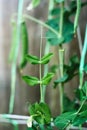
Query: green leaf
pixel 84 97
pixel 68 104
pixel 55 11
pixel 54 68
pixel 68 35
pixel 70 71
pixel 73 6
pixel 46 79
pixel 79 121
pixel 84 91
pixel 83 113
pixel 72 68
pixel 59 1
pixel 74 60
pixel 79 94
pixel 41 127
pixel 64 120
pixel 40 112
pixel 67 32
pixel 45 127
pixel 32 59
pixel 35 60
pixel 30 80
pixel 61 80
pixel 53 38
pixel 84 88
pixel 68 26
pixel 49 127
pixel 81 118
pixel 85 68
pixel 46 112
pixel 35 3
pixel 45 59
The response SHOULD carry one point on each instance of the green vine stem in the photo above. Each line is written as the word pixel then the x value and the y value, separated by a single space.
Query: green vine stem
pixel 83 60
pixel 61 87
pixel 82 103
pixel 70 125
pixel 61 56
pixel 41 23
pixel 15 124
pixel 61 18
pixel 79 39
pixel 40 71
pixel 80 107
pixel 84 50
pixel 14 62
pixel 47 46
pixel 77 15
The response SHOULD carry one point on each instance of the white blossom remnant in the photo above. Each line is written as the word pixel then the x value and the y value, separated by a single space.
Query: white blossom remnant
pixel 29 122
pixel 30 7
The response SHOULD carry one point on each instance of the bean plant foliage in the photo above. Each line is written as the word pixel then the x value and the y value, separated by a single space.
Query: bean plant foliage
pixel 60 30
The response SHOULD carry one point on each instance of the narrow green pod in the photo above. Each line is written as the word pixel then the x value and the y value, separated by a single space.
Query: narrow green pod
pixel 13 44
pixel 24 41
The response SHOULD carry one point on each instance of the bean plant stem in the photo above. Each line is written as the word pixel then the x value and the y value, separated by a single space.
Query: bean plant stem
pixel 41 23
pixel 61 87
pixel 40 70
pixel 15 124
pixel 80 126
pixel 61 19
pixel 61 57
pixel 81 106
pixel 46 66
pixel 13 70
pixel 47 46
pixel 79 39
pixel 84 50
pixel 77 15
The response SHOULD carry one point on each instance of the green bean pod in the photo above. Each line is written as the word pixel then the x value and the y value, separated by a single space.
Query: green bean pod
pixel 77 15
pixel 24 41
pixel 13 46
